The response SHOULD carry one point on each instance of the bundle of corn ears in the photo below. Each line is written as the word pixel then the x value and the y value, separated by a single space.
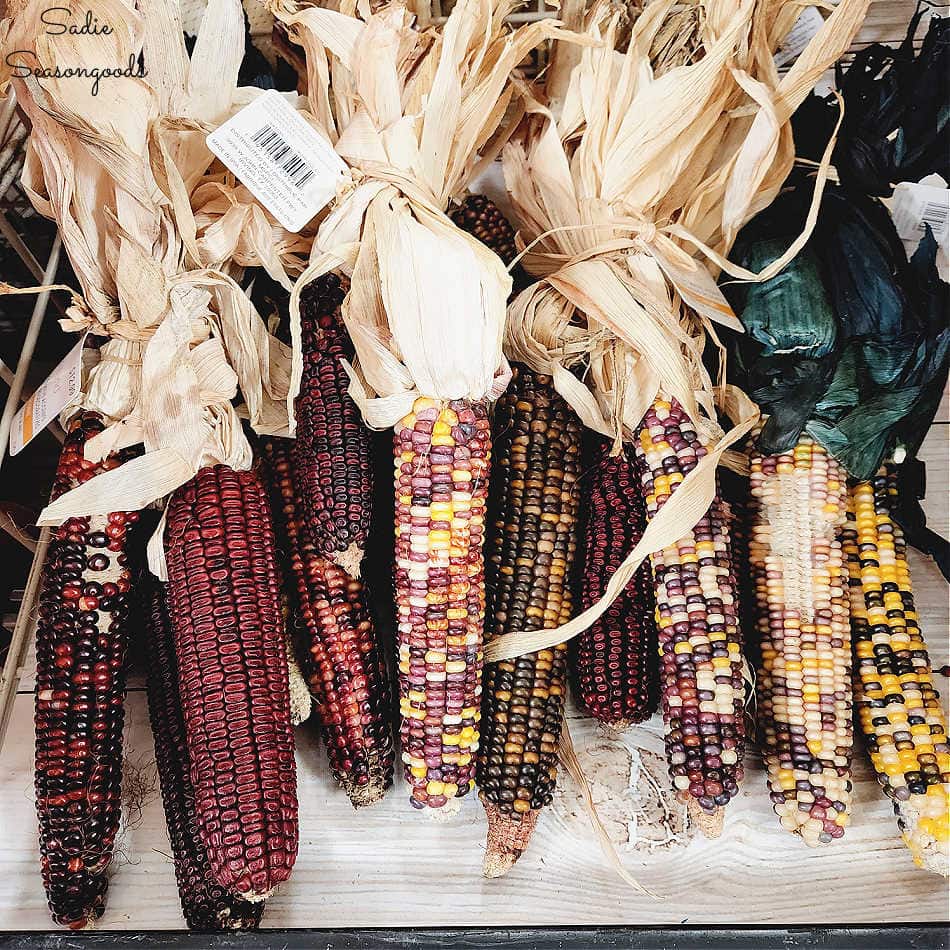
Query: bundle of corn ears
pixel 415 115
pixel 158 234
pixel 629 191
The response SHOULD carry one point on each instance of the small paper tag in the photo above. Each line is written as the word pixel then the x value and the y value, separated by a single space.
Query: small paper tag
pixel 56 392
pixel 283 161
pixel 806 26
pixel 914 206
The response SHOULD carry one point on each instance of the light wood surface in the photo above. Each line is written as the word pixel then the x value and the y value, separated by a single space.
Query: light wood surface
pixel 391 866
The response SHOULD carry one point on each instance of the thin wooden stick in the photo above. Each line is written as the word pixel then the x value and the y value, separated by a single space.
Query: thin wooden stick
pixel 24 624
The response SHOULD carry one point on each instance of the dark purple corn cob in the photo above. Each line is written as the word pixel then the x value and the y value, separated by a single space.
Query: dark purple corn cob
pixel 481 218
pixel 615 658
pixel 224 600
pixel 81 640
pixel 331 464
pixel 205 904
pixel 340 656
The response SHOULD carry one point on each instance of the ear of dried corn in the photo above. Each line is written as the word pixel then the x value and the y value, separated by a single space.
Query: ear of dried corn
pixel 529 552
pixel 331 468
pixel 696 607
pixel 899 710
pixel 224 599
pixel 442 452
pixel 341 660
pixel 615 658
pixel 205 904
pixel 804 700
pixel 81 640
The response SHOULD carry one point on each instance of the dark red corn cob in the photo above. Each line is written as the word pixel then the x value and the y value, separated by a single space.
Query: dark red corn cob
pixel 224 599
pixel 81 641
pixel 331 470
pixel 615 658
pixel 341 659
pixel 204 903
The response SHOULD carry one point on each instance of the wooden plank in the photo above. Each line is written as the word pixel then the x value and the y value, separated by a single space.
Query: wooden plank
pixel 390 866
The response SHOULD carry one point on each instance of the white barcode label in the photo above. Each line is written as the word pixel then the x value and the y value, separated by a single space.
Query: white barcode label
pixel 914 206
pixel 54 394
pixel 283 161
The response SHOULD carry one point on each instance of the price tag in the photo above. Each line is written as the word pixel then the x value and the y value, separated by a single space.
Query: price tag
pixel 914 206
pixel 53 395
pixel 283 161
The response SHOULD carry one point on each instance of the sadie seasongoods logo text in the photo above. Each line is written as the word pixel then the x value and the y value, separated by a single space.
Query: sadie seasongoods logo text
pixel 58 21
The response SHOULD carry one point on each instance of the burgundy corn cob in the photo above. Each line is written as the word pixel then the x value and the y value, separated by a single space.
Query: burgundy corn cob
pixel 81 641
pixel 700 643
pixel 615 658
pixel 205 904
pixel 224 599
pixel 342 662
pixel 331 456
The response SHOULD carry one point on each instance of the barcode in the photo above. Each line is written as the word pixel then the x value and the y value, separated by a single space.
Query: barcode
pixel 935 215
pixel 272 143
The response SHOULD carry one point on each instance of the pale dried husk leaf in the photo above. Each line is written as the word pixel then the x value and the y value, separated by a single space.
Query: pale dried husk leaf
pixel 411 112
pixel 157 234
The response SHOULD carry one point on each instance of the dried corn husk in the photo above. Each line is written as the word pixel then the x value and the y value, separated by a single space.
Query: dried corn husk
pixel 157 234
pixel 413 114
pixel 629 198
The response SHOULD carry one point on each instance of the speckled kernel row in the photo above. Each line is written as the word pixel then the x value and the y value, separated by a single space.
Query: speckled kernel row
pixel 700 643
pixel 802 612
pixel 441 453
pixel 899 709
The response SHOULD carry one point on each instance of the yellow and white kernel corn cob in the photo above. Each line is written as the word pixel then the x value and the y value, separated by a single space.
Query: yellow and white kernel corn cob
pixel 899 710
pixel 802 614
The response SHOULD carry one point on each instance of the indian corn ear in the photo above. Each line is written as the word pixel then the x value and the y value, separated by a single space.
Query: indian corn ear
pixel 342 662
pixel 696 608
pixel 331 470
pixel 899 709
pixel 82 636
pixel 481 217
pixel 615 658
pixel 441 455
pixel 804 702
pixel 224 600
pixel 205 904
pixel 529 553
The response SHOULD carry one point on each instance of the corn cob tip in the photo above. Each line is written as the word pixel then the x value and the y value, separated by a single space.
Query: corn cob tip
pixel 507 839
pixel 926 848
pixel 301 702
pixel 445 812
pixel 709 822
pixel 368 793
pixel 350 559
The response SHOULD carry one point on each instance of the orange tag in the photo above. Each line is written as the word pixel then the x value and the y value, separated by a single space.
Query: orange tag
pixel 56 392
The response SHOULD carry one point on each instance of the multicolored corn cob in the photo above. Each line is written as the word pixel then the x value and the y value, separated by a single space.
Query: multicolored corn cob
pixel 799 502
pixel 700 642
pixel 529 554
pixel 342 662
pixel 331 466
pixel 204 903
pixel 224 599
pixel 82 636
pixel 899 709
pixel 442 453
pixel 615 658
